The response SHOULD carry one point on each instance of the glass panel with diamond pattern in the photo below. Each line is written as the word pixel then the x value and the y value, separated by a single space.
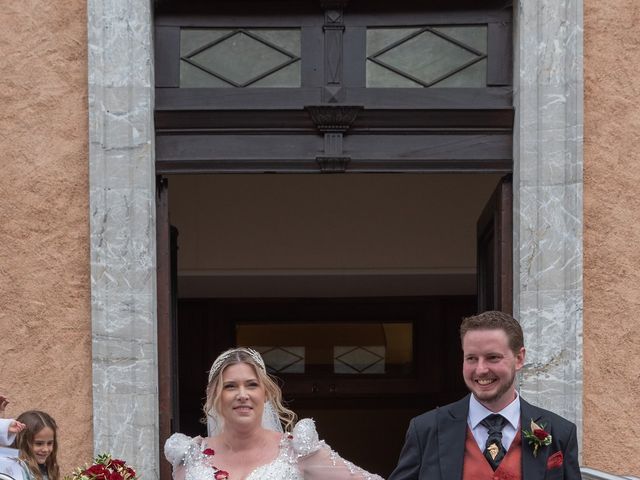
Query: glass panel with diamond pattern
pixel 427 57
pixel 332 348
pixel 239 58
pixel 283 358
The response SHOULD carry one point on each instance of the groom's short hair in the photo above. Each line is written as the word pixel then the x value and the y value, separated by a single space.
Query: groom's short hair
pixel 495 320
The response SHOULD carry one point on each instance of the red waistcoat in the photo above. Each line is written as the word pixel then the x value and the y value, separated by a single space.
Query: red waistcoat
pixel 476 467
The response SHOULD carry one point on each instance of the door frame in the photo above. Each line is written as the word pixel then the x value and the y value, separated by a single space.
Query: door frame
pixel 495 218
pixel 494 240
pixel 547 216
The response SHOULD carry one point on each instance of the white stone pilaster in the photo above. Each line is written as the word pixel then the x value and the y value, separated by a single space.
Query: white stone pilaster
pixel 548 98
pixel 122 222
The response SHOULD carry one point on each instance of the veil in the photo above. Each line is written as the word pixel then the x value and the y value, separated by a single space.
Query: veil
pixel 270 421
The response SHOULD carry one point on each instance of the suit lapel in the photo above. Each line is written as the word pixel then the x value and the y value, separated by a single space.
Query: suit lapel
pixel 452 432
pixel 533 468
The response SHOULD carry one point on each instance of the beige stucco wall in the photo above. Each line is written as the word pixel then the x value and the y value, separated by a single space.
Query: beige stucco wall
pixel 612 236
pixel 44 249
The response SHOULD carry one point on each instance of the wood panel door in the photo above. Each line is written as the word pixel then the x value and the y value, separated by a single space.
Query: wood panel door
pixel 495 250
pixel 167 260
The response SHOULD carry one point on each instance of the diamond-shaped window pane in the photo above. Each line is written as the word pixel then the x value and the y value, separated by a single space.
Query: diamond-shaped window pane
pixel 427 57
pixel 240 58
pixel 288 359
pixel 259 57
pixel 359 359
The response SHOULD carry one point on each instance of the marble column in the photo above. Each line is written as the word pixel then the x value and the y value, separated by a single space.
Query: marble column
pixel 122 222
pixel 548 99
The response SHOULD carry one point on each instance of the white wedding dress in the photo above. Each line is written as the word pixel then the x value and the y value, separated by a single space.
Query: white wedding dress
pixel 302 456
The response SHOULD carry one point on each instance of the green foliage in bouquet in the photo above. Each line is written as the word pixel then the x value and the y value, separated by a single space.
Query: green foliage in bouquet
pixel 104 468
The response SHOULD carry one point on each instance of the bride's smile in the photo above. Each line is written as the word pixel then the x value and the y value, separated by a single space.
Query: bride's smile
pixel 243 395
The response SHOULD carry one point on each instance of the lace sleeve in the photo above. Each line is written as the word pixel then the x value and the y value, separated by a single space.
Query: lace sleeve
pixel 317 461
pixel 6 438
pixel 176 449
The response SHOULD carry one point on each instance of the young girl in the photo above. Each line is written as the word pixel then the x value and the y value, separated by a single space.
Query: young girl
pixel 38 446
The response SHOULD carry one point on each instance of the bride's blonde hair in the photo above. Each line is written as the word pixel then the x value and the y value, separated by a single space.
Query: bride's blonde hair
pixel 250 357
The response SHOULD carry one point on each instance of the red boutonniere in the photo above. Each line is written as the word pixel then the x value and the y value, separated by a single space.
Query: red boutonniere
pixel 209 451
pixel 537 437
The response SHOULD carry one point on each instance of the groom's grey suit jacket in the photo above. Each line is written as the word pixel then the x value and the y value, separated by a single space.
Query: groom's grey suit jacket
pixel 435 443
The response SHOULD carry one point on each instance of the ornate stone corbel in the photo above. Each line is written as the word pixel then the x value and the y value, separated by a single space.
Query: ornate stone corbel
pixel 333 121
pixel 332 117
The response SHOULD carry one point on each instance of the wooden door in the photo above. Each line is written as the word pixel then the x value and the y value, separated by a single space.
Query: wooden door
pixel 166 248
pixel 495 250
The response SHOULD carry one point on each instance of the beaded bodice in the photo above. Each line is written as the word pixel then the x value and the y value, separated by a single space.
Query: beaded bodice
pixel 301 456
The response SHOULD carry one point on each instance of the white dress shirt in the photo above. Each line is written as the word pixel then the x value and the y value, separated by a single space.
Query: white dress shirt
pixel 478 412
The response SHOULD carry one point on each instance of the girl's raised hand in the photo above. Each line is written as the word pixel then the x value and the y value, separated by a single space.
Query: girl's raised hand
pixel 16 427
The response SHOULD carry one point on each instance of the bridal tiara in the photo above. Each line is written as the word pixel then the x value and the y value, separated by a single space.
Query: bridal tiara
pixel 224 356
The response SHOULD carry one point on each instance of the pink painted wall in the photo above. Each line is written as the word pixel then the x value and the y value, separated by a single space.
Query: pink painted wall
pixel 44 223
pixel 612 236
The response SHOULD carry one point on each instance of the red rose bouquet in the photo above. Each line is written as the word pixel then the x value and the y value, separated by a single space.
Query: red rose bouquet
pixel 104 468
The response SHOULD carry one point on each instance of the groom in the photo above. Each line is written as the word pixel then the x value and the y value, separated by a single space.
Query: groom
pixel 492 433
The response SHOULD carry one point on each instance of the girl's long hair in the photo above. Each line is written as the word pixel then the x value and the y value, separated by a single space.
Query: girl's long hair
pixel 35 421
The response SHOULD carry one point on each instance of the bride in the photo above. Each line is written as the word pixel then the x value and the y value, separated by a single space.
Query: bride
pixel 246 440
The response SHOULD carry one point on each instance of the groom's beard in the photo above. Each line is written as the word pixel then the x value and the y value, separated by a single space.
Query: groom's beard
pixel 493 396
